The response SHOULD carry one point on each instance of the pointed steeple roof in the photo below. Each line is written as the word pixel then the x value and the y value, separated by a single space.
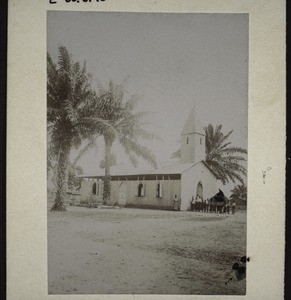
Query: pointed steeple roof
pixel 193 124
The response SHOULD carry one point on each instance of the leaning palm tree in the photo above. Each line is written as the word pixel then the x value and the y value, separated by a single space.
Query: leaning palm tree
pixel 224 159
pixel 68 91
pixel 122 124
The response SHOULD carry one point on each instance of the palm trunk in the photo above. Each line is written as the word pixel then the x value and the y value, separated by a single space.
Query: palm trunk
pixel 107 179
pixel 62 167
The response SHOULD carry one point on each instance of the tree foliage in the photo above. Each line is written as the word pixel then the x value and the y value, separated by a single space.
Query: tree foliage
pixel 76 113
pixel 68 92
pixel 239 194
pixel 176 154
pixel 121 124
pixel 112 161
pixel 224 159
pixel 74 182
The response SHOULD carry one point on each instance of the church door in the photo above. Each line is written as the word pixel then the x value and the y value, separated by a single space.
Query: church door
pixel 199 190
pixel 122 193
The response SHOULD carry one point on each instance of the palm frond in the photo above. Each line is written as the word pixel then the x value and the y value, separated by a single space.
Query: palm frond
pixel 134 147
pixel 176 154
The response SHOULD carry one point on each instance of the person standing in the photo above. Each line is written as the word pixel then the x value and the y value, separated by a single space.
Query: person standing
pixel 204 205
pixel 196 206
pixel 207 205
pixel 227 206
pixel 176 204
pixel 199 204
pixel 193 204
pixel 233 206
pixel 211 205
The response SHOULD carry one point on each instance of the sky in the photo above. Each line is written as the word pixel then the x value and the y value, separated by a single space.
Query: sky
pixel 169 61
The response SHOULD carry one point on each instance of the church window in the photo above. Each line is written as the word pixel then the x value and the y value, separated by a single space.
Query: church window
pixel 159 190
pixel 140 190
pixel 200 141
pixel 187 140
pixel 94 188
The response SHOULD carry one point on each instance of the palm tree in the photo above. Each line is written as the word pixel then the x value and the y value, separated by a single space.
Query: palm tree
pixel 68 91
pixel 224 159
pixel 122 124
pixel 239 194
pixel 74 182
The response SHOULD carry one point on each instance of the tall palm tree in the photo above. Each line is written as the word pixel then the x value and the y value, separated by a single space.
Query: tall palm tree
pixel 239 193
pixel 224 159
pixel 122 124
pixel 68 91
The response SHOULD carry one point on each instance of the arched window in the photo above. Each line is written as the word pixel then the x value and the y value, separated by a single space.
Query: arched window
pixel 159 190
pixel 199 190
pixel 140 190
pixel 94 188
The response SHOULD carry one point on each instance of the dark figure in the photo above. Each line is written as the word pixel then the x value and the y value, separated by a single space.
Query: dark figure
pixel 233 207
pixel 218 201
pixel 176 203
pixel 239 269
pixel 207 205
pixel 203 205
pixel 219 208
pixel 193 204
pixel 140 190
pixel 227 206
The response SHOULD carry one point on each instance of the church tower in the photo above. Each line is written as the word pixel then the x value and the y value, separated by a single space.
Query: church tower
pixel 192 139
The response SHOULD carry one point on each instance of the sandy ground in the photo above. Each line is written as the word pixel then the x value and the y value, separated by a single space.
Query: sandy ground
pixel 117 251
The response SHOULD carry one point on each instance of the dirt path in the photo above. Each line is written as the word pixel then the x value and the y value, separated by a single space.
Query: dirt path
pixel 119 251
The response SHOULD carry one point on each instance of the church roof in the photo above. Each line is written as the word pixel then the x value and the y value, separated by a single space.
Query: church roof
pixel 166 167
pixel 193 124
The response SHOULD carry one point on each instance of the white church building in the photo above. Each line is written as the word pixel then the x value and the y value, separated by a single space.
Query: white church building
pixel 156 188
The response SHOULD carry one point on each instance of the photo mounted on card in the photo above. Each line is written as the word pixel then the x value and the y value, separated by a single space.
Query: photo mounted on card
pixel 149 123
pixel 147 152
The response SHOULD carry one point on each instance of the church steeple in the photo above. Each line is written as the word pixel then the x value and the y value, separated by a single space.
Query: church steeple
pixel 192 139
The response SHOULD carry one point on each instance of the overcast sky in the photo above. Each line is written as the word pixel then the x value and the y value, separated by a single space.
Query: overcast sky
pixel 169 60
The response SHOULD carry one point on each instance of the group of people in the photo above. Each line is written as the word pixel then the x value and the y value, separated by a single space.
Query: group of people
pixel 198 204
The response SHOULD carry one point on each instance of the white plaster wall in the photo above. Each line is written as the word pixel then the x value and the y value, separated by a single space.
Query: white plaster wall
pixel 169 188
pixel 199 148
pixel 193 151
pixel 86 191
pixel 190 180
pixel 188 150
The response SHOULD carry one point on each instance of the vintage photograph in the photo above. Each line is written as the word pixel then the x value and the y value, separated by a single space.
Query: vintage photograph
pixel 147 122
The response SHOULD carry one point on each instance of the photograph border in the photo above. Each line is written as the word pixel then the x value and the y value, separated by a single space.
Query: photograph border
pixel 26 169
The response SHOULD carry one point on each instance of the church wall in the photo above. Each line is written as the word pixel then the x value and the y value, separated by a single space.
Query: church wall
pixel 190 180
pixel 187 150
pixel 86 191
pixel 194 151
pixel 149 200
pixel 199 147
